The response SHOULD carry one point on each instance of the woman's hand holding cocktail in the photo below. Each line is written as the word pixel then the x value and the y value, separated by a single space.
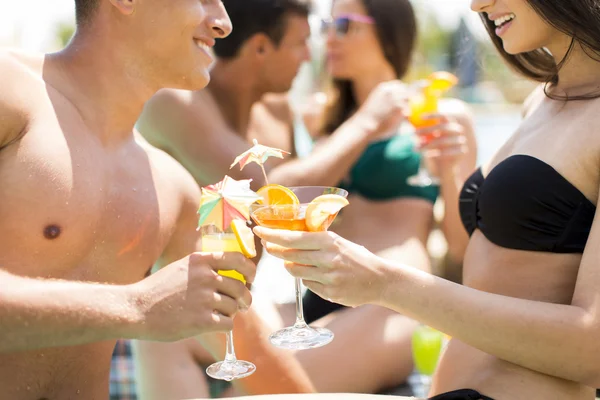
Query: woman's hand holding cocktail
pixel 443 143
pixel 329 265
pixel 384 110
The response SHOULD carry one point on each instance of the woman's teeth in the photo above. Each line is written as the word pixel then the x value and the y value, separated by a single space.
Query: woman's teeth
pixel 502 20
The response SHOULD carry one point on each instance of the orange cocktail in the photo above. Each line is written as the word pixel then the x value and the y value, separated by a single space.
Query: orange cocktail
pixel 424 102
pixel 288 217
pixel 311 209
pixel 308 208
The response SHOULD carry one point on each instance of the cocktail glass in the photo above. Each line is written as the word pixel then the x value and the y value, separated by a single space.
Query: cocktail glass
pixel 216 240
pixel 427 345
pixel 423 101
pixel 300 336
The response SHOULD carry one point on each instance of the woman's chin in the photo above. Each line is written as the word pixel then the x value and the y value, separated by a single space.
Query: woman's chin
pixel 517 48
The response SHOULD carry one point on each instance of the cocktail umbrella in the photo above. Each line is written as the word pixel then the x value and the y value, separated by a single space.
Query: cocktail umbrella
pixel 225 201
pixel 258 154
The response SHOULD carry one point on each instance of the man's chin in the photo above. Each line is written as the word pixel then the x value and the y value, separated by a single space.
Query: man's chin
pixel 196 81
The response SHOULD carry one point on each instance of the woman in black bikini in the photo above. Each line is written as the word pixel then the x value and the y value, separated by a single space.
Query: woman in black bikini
pixel 526 325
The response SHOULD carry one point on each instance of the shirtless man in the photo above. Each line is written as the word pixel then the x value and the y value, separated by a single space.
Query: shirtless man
pixel 86 209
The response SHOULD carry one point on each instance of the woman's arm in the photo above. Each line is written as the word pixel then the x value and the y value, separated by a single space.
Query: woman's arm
pixel 330 162
pixel 453 156
pixel 558 340
pixel 554 339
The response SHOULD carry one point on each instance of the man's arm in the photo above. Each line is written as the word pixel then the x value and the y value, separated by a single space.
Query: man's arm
pixel 38 314
pixel 191 128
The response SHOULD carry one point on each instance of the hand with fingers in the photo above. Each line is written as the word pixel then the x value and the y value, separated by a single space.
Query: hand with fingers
pixel 385 108
pixel 329 265
pixel 188 297
pixel 443 142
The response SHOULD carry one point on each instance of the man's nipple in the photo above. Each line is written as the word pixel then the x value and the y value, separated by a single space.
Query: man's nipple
pixel 52 232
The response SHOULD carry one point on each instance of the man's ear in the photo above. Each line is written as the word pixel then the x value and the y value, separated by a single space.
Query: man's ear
pixel 125 7
pixel 260 44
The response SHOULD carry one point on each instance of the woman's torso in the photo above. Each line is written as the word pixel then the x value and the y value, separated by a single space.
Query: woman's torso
pixel 394 229
pixel 557 134
pixel 386 214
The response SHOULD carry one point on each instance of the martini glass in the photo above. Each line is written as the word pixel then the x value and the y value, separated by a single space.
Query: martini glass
pixel 300 336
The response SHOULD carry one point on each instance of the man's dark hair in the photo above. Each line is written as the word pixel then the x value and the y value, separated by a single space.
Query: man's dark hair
pixel 84 9
pixel 250 17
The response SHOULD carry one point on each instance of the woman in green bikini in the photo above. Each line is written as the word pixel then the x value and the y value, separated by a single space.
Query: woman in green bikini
pixel 370 42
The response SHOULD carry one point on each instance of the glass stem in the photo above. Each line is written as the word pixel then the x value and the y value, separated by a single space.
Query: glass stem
pixel 423 171
pixel 230 351
pixel 425 384
pixel 299 310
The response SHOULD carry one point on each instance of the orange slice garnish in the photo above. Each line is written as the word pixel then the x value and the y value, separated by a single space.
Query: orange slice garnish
pixel 274 194
pixel 244 236
pixel 322 210
pixel 245 239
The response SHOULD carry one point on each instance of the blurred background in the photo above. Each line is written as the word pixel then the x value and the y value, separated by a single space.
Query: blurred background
pixel 451 38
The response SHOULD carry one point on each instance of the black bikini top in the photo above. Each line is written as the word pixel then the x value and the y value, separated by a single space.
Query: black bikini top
pixel 525 204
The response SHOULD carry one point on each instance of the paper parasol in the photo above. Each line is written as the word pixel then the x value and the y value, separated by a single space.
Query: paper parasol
pixel 258 154
pixel 225 201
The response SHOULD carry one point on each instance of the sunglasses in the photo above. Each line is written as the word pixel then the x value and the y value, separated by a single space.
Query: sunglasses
pixel 341 24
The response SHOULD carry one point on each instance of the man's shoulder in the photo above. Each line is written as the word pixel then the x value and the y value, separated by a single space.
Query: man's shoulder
pixel 19 72
pixel 20 59
pixel 165 165
pixel 18 67
pixel 172 112
pixel 276 106
pixel 168 169
pixel 177 100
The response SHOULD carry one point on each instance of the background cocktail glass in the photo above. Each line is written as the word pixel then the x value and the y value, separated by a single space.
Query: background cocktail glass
pixel 427 346
pixel 423 101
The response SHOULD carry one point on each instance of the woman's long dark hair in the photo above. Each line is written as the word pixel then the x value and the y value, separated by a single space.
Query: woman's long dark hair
pixel 579 19
pixel 396 27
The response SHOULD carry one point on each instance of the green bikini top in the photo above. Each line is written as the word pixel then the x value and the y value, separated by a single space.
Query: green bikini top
pixel 382 171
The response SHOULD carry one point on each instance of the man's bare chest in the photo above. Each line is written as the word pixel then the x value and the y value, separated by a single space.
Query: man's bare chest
pixel 70 209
